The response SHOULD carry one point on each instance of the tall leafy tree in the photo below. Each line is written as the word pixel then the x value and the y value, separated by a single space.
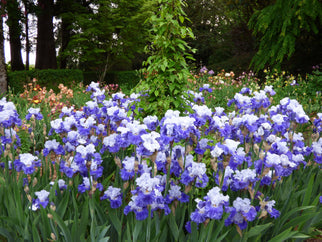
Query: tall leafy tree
pixel 282 26
pixel 109 36
pixel 15 30
pixel 223 39
pixel 132 30
pixel 45 52
pixel 210 22
pixel 67 11
pixel 90 45
pixel 3 71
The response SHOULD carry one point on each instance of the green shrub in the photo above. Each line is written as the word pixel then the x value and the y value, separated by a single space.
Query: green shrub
pixel 125 79
pixel 47 78
pixel 90 76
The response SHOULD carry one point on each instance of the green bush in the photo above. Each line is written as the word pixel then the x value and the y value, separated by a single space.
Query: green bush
pixel 46 78
pixel 125 79
pixel 90 76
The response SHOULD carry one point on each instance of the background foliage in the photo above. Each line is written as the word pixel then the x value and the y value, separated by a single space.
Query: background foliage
pixel 282 29
pixel 98 35
pixel 48 78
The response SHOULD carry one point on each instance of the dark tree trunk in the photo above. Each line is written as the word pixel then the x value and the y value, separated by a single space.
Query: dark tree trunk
pixel 45 53
pixel 27 42
pixel 65 38
pixel 3 71
pixel 14 16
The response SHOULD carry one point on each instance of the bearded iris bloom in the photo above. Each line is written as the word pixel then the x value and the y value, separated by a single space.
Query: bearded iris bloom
pixel 241 212
pixel 114 195
pixel 211 207
pixel 42 200
pixel 53 145
pixel 27 163
pixel 34 112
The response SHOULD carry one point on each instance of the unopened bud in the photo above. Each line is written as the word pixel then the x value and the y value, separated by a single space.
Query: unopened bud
pixel 214 164
pixel 266 146
pixel 187 189
pixel 315 137
pixel 251 192
pixel 26 189
pixel 136 166
pixel 194 138
pixel 169 160
pixel 118 161
pixel 34 182
pixel 125 185
pixel 256 148
pixel 153 157
pixel 53 236
pixel 53 207
pixel 206 222
pixel 263 214
pixel 199 157
pixel 180 161
pixel 262 155
pixel 189 148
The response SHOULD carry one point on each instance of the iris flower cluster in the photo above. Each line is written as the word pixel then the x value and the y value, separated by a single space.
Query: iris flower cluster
pixel 9 117
pixel 147 195
pixel 251 146
pixel 9 120
pixel 160 162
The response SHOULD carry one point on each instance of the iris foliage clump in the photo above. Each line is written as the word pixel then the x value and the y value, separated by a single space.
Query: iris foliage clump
pixel 208 174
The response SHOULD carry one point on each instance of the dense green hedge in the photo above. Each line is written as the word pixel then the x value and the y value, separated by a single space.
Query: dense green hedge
pixel 125 79
pixel 52 78
pixel 48 78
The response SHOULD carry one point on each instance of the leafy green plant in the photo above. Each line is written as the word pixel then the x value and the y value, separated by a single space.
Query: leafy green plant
pixel 167 70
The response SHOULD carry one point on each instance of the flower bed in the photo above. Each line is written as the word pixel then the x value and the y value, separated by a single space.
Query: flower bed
pixel 188 176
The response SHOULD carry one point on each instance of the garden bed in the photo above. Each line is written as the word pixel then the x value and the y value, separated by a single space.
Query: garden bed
pixel 246 170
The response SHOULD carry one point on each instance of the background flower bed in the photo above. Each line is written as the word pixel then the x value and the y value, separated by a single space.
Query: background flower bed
pixel 104 135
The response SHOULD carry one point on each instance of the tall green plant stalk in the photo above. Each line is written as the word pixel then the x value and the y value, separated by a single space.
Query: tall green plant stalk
pixel 167 70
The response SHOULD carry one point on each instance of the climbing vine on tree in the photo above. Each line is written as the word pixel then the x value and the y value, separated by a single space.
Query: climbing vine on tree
pixel 166 67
